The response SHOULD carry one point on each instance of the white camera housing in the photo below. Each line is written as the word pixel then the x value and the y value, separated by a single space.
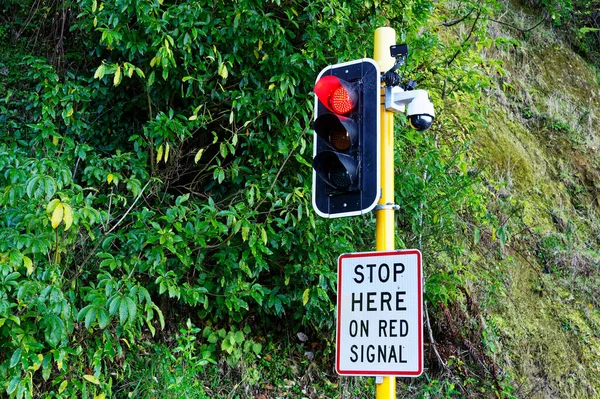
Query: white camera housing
pixel 420 111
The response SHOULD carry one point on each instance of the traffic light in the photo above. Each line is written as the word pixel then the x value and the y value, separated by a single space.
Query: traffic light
pixel 346 141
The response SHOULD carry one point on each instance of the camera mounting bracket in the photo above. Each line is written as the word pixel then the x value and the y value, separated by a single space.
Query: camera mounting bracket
pixel 396 98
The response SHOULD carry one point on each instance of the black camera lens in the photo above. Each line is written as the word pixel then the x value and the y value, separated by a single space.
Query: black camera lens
pixel 421 122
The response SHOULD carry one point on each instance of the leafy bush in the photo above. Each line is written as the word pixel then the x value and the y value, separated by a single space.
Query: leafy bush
pixel 156 168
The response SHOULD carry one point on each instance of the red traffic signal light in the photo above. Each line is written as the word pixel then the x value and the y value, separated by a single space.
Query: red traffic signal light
pixel 346 140
pixel 339 96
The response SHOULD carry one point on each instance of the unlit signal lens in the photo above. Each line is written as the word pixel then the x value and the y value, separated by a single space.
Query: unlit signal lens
pixel 340 140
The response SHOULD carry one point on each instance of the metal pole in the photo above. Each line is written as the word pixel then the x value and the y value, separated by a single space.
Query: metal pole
pixel 384 239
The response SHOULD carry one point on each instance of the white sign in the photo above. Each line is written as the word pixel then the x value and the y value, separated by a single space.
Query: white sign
pixel 380 314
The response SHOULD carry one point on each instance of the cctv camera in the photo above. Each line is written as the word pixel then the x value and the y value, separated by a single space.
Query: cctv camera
pixel 420 110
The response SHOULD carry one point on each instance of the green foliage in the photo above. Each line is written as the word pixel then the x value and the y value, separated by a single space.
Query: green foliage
pixel 579 18
pixel 156 168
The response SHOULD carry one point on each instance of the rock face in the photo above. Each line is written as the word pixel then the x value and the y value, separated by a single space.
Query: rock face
pixel 542 142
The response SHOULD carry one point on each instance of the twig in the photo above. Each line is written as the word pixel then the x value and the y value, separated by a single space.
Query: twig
pixel 130 208
pixel 519 29
pixel 275 179
pixel 93 251
pixel 433 345
pixel 451 60
pixel 458 21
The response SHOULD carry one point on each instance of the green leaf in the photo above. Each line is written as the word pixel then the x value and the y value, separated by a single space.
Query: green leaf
pixel 13 385
pixel 227 346
pixel 114 304
pixel 263 234
pixel 31 185
pixel 14 359
pixel 151 79
pixel 92 379
pixel 54 329
pixel 586 29
pixel 239 337
pixel 161 317
pixel 52 205
pixel 123 311
pixel 90 317
pixel 15 258
pixel 477 236
pixel 83 311
pixel 132 309
pixel 103 318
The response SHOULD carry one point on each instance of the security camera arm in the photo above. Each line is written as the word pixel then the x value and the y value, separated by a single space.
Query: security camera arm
pixel 396 99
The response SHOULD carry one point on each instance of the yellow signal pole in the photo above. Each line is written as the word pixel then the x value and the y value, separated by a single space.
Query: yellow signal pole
pixel 384 238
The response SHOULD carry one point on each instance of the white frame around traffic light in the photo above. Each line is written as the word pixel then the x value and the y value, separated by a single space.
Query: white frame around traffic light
pixel 369 208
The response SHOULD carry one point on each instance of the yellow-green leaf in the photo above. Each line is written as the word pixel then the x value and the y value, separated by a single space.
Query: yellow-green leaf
pixel 118 76
pixel 193 118
pixel 110 178
pixel 100 72
pixel 129 70
pixel 305 296
pixel 38 363
pixel 223 71
pixel 55 140
pixel 68 216
pixel 28 265
pixel 101 396
pixel 167 147
pixel 140 73
pixel 57 215
pixel 198 155
pixel 159 153
pixel 52 205
pixel 92 379
pixel 63 386
pixel 94 5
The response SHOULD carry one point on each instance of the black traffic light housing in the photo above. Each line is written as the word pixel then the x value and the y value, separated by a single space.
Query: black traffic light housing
pixel 346 179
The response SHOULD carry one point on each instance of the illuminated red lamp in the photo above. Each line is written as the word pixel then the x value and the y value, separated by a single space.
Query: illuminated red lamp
pixel 336 94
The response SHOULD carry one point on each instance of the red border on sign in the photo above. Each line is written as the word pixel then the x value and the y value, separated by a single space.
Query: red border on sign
pixel 419 370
